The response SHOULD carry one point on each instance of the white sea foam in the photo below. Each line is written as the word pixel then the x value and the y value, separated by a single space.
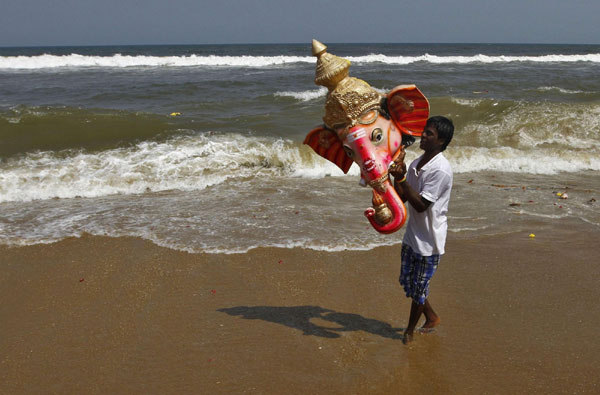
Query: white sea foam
pixel 511 160
pixel 467 102
pixel 565 214
pixel 198 247
pixel 122 61
pixel 197 162
pixel 315 93
pixel 183 163
pixel 48 61
pixel 310 245
pixel 468 229
pixel 561 90
pixel 435 59
pixel 304 95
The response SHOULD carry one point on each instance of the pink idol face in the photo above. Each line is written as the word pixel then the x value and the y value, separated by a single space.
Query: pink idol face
pixel 372 144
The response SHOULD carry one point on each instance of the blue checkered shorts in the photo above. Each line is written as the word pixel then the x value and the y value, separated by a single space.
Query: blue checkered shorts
pixel 416 272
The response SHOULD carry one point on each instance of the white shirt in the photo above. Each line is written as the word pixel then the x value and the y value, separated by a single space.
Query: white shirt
pixel 426 231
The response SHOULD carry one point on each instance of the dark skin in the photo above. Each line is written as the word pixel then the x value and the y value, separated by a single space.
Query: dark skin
pixel 432 144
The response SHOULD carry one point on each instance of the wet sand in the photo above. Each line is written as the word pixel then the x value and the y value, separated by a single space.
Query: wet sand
pixel 102 315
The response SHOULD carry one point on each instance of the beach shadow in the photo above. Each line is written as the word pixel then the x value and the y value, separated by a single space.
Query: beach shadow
pixel 299 317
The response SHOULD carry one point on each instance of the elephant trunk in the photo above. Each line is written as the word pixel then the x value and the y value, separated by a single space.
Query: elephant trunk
pixel 388 213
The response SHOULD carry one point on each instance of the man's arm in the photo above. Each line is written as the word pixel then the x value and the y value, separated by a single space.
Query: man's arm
pixel 398 171
pixel 404 190
pixel 407 193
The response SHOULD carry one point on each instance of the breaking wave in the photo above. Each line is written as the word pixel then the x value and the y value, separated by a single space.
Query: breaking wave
pixel 197 162
pixel 48 61
pixel 182 163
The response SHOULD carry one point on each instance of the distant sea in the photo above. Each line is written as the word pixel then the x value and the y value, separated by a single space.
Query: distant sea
pixel 199 148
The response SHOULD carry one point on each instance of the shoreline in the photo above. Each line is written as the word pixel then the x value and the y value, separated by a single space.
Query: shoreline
pixel 485 203
pixel 122 315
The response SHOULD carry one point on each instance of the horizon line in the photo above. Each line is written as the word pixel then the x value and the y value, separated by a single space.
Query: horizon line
pixel 290 43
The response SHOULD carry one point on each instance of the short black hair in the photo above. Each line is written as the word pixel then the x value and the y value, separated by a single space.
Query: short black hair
pixel 383 108
pixel 444 127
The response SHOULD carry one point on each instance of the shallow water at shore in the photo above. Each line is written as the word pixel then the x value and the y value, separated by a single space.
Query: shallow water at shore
pixel 318 214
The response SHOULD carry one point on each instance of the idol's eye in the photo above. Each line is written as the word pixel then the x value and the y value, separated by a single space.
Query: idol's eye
pixel 368 117
pixel 348 151
pixel 376 135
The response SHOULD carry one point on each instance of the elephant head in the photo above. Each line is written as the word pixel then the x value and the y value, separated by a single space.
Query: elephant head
pixel 362 126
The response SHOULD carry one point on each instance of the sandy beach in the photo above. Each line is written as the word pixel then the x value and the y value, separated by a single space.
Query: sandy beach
pixel 101 315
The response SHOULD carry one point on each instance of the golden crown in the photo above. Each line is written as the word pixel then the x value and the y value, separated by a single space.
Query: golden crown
pixel 348 97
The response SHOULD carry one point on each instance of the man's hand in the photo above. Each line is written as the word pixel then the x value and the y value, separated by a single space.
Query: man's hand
pixel 398 168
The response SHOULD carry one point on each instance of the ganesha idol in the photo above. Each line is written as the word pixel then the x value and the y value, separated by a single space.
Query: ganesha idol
pixel 370 129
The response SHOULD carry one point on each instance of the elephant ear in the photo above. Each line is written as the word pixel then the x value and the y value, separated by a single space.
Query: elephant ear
pixel 409 109
pixel 327 144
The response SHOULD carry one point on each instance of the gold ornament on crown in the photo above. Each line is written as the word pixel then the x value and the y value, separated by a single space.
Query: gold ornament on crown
pixel 348 97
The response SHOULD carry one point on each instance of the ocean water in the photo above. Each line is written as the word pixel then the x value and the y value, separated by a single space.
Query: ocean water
pixel 88 142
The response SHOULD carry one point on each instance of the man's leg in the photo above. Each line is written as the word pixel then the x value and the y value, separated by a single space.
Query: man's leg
pixel 431 318
pixel 415 313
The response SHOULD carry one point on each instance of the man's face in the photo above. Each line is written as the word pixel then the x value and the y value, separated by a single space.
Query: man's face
pixel 430 141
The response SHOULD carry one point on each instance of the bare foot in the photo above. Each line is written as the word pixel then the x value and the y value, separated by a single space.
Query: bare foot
pixel 407 338
pixel 430 324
